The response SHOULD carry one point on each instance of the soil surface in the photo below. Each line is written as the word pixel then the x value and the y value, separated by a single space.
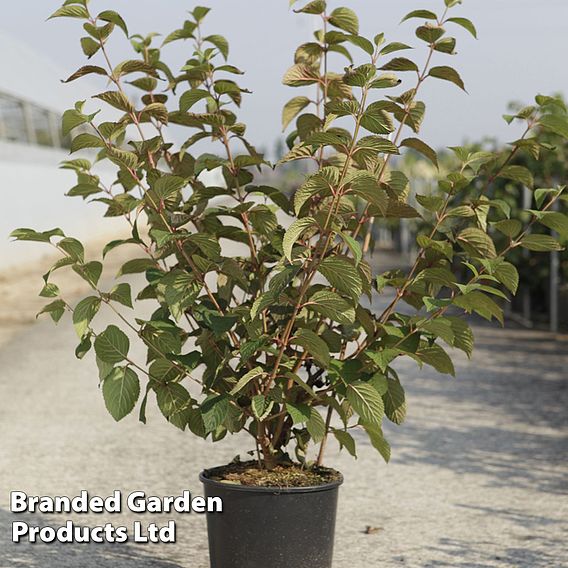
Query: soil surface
pixel 478 476
pixel 249 473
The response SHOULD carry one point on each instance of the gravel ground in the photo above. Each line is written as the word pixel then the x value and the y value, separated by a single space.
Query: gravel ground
pixel 478 475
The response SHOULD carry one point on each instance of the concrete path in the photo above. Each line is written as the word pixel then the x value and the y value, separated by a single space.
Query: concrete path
pixel 477 479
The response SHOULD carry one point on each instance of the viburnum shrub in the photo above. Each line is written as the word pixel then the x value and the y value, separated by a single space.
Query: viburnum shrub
pixel 265 302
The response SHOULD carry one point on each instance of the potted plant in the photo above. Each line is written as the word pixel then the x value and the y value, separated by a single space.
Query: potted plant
pixel 262 302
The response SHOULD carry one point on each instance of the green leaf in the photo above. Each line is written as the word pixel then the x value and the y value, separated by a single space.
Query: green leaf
pixel 435 356
pixel 84 313
pixel 519 174
pixel 55 310
pixel 85 140
pixel 70 11
pixel 395 401
pixel 246 379
pixel 91 272
pixel 173 400
pixel 214 410
pixel 115 18
pixel 342 274
pixel 84 346
pixel 220 43
pixel 112 345
pixel 261 406
pixel 189 98
pixel 477 243
pixel 554 220
pixel 392 47
pixel 313 7
pixel 86 70
pixel 73 248
pixel 121 389
pixel 353 246
pixel 463 336
pixel 316 426
pixel 89 46
pixel 345 19
pixel 49 291
pixel 422 147
pixel 447 74
pixel 24 234
pixel 293 233
pixel 199 12
pixel 378 441
pixel 136 266
pixel 422 14
pixel 540 243
pixel 400 64
pixel 292 108
pixel 366 402
pixel 509 227
pixel 464 23
pixel 313 344
pixel 122 294
pixel 508 275
pixel 116 99
pixel 556 124
pixel 345 441
pixel 429 33
pixel 331 305
pixel 300 413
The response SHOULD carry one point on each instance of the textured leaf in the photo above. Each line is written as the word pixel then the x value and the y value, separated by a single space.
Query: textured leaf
pixel 477 243
pixel 189 98
pixel 400 64
pixel 85 140
pixel 508 275
pixel 345 19
pixel 395 402
pixel 447 74
pixel 331 305
pixel 518 173
pixel 540 243
pixel 220 43
pixel 313 344
pixel 70 11
pixel 83 314
pixel 316 426
pixel 112 345
pixel 115 18
pixel 122 294
pixel 422 14
pixel 345 441
pixel 292 108
pixel 379 442
pixel 121 389
pixel 214 410
pixel 294 232
pixel 436 357
pixel 366 402
pixel 173 400
pixel 342 274
pixel 246 379
pixel 422 147
pixel 464 23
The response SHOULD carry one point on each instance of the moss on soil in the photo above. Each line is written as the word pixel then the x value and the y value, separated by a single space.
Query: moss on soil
pixel 284 475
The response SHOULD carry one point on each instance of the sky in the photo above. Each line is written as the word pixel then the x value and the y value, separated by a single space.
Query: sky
pixel 520 52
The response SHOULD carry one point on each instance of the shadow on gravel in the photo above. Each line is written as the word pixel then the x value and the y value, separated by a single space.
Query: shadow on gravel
pixel 470 554
pixel 59 555
pixel 508 413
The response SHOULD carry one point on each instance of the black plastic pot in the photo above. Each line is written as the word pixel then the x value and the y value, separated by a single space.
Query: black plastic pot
pixel 267 527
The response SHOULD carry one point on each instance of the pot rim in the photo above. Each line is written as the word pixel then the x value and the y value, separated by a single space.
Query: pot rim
pixel 272 490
